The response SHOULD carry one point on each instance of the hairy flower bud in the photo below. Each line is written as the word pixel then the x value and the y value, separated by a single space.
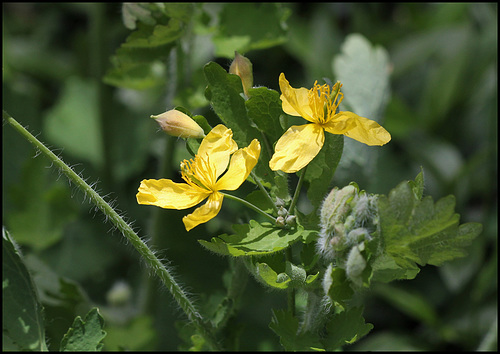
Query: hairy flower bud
pixel 176 123
pixel 242 67
pixel 355 264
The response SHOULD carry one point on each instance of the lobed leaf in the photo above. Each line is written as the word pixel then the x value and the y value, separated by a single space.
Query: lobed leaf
pixel 254 239
pixel 85 335
pixel 420 231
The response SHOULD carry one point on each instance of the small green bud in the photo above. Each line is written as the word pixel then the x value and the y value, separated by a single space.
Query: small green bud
pixel 176 123
pixel 280 221
pixel 282 212
pixel 291 220
pixel 356 264
pixel 242 67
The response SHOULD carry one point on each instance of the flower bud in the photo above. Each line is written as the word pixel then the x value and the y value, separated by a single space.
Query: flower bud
pixel 280 221
pixel 356 264
pixel 176 123
pixel 242 67
pixel 291 220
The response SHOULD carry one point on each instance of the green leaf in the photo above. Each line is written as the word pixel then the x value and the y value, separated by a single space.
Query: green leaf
pixel 344 328
pixel 74 113
pixel 224 94
pixel 421 231
pixel 254 239
pixel 23 324
pixel 321 169
pixel 137 335
pixel 47 206
pixel 286 327
pixel 411 303
pixel 293 277
pixel 337 287
pixel 85 335
pixel 264 109
pixel 363 70
pixel 237 30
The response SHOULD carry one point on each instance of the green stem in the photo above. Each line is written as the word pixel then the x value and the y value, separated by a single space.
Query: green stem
pixel 297 190
pixel 261 187
pixel 250 205
pixel 291 290
pixel 148 255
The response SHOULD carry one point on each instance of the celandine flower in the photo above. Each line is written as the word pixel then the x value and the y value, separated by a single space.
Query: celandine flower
pixel 201 175
pixel 301 143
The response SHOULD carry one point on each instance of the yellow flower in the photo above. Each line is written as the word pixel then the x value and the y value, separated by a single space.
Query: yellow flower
pixel 301 143
pixel 201 175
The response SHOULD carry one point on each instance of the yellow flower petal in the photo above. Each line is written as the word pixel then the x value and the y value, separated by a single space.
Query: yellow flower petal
pixel 361 129
pixel 297 147
pixel 295 102
pixel 218 145
pixel 242 163
pixel 204 213
pixel 167 194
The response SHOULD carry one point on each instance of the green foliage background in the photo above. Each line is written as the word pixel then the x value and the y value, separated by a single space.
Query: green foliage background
pixel 60 78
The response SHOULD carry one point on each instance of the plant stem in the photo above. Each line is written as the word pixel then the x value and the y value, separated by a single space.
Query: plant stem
pixel 250 205
pixel 297 190
pixel 150 258
pixel 291 291
pixel 263 189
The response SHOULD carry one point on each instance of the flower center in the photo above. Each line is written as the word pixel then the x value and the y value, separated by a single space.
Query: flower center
pixel 324 102
pixel 199 172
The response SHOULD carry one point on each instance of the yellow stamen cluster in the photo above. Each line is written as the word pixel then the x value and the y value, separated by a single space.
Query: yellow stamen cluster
pixel 325 102
pixel 198 172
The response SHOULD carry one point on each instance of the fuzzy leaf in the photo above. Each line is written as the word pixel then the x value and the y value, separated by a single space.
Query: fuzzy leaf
pixel 85 335
pixel 254 239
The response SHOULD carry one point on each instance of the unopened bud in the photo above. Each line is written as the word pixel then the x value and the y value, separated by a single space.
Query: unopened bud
pixel 291 220
pixel 242 67
pixel 280 221
pixel 356 264
pixel 176 123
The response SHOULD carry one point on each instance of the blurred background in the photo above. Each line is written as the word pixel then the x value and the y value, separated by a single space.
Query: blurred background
pixel 68 78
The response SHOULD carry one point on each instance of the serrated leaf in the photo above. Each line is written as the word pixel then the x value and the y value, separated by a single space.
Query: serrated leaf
pixel 22 320
pixel 422 232
pixel 344 328
pixel 254 239
pixel 85 335
pixel 286 327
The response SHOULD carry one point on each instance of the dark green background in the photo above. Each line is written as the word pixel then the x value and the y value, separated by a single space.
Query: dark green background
pixel 442 115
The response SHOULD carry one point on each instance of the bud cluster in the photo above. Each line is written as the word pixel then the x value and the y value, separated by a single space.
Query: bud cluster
pixel 348 219
pixel 284 218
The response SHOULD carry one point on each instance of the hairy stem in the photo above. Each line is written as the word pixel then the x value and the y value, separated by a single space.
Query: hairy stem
pixel 149 257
